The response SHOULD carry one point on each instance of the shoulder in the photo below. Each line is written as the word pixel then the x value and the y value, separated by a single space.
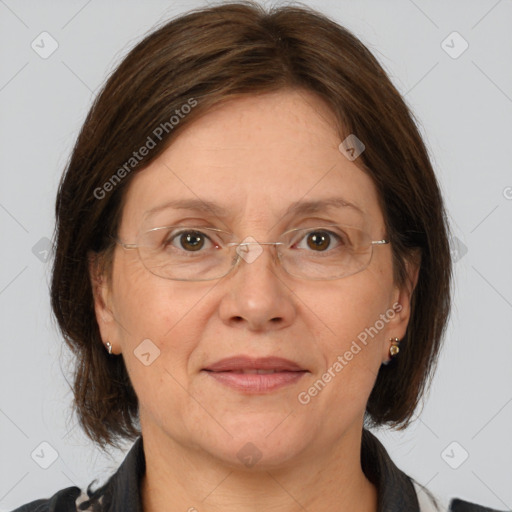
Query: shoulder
pixel 428 503
pixel 121 488
pixel 458 505
pixel 397 490
pixel 62 501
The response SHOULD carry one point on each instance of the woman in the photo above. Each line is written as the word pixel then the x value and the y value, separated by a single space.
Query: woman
pixel 252 267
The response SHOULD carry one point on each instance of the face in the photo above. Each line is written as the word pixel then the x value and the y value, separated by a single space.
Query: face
pixel 253 157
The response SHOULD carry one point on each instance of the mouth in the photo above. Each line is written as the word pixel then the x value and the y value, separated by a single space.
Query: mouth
pixel 255 376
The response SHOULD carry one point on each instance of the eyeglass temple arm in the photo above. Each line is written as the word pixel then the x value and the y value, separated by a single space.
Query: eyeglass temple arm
pixel 123 245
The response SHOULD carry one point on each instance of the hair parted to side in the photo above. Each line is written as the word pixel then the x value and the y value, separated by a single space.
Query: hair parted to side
pixel 212 55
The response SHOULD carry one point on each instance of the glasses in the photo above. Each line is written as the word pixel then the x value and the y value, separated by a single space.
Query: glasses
pixel 184 253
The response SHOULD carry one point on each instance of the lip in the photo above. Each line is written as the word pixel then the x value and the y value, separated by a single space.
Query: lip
pixel 239 363
pixel 228 372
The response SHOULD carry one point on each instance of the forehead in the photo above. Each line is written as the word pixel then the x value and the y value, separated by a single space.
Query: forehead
pixel 259 159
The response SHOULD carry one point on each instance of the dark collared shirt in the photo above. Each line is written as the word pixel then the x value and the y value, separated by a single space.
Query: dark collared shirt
pixel 121 493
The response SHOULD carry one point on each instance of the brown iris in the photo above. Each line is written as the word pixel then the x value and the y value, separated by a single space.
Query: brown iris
pixel 192 240
pixel 318 240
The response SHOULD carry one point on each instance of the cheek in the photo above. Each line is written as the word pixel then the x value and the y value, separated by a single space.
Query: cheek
pixel 148 306
pixel 346 308
pixel 157 316
pixel 160 325
pixel 350 357
pixel 351 319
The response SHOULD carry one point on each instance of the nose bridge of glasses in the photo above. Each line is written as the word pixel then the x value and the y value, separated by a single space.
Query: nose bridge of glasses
pixel 254 243
pixel 250 250
pixel 251 246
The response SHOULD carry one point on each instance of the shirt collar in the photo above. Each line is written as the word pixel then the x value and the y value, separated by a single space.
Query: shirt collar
pixel 395 489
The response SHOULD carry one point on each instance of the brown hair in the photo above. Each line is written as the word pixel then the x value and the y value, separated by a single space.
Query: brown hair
pixel 212 55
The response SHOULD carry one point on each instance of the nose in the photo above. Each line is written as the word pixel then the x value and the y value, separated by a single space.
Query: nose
pixel 256 297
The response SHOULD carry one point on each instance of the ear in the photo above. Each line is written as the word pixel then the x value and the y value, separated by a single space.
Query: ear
pixel 101 291
pixel 402 297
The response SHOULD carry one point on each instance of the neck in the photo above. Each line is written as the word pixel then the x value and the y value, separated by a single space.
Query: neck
pixel 184 478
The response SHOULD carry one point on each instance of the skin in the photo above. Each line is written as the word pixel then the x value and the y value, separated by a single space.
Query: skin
pixel 254 156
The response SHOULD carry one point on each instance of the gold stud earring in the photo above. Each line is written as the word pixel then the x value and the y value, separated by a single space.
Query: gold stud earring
pixel 109 347
pixel 394 349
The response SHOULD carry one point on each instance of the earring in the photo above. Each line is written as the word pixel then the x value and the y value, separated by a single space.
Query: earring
pixel 109 347
pixel 394 349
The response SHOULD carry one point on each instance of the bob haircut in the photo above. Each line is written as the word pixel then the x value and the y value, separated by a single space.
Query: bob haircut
pixel 172 77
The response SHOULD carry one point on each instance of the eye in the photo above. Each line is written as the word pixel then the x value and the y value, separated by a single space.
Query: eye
pixel 319 240
pixel 189 240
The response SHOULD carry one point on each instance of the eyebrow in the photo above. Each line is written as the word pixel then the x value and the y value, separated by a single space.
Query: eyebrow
pixel 314 206
pixel 190 204
pixel 297 207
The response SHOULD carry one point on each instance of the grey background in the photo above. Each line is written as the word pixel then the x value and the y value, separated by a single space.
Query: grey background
pixel 464 106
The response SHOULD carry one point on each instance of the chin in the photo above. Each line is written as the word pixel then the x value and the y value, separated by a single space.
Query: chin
pixel 257 442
